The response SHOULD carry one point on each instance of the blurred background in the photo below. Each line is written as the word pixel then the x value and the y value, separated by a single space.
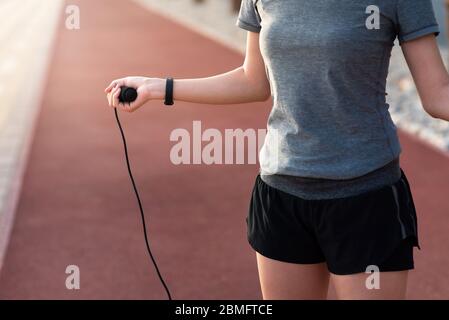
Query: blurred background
pixel 66 199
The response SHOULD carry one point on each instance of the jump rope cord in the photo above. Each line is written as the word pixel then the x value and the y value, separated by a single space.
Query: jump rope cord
pixel 153 260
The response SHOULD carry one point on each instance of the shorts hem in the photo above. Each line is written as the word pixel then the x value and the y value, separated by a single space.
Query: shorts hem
pixel 272 256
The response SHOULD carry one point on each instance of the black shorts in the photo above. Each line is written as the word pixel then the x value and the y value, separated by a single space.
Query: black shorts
pixel 376 228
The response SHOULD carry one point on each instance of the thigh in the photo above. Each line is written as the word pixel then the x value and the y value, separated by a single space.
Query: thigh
pixel 379 285
pixel 392 285
pixel 290 281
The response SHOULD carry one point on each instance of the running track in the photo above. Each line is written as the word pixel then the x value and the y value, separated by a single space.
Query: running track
pixel 76 205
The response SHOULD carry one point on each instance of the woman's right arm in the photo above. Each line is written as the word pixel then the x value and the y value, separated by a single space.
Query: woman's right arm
pixel 245 84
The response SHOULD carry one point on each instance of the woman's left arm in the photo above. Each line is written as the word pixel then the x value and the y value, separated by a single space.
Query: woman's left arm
pixel 430 75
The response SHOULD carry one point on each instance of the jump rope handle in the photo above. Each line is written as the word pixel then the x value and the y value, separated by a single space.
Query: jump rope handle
pixel 127 94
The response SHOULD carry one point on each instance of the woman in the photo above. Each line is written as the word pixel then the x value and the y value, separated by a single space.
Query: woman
pixel 331 201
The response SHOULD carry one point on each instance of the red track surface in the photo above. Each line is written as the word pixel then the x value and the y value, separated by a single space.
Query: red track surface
pixel 77 206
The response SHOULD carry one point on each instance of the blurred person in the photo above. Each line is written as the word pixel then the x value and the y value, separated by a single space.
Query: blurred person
pixel 331 200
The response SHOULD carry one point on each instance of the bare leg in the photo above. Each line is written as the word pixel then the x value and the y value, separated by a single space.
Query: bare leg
pixel 289 281
pixel 393 285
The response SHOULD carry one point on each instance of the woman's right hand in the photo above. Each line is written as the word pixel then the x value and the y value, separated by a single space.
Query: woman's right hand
pixel 147 89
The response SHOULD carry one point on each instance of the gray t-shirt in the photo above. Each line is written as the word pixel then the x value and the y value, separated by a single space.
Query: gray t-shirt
pixel 327 63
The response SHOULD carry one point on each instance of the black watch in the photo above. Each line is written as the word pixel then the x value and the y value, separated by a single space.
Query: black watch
pixel 169 92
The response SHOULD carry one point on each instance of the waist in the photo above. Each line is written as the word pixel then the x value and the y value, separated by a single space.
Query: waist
pixel 316 189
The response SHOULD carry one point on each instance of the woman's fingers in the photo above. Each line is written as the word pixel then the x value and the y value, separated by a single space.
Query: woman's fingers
pixel 125 107
pixel 110 98
pixel 136 104
pixel 110 87
pixel 115 84
pixel 114 88
pixel 140 100
pixel 115 96
pixel 131 107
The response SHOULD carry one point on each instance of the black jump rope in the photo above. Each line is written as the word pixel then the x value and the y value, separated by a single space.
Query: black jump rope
pixel 128 95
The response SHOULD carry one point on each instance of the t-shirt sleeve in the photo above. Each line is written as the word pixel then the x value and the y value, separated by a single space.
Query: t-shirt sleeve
pixel 249 18
pixel 415 18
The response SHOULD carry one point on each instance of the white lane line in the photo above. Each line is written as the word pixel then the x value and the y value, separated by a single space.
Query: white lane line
pixel 26 106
